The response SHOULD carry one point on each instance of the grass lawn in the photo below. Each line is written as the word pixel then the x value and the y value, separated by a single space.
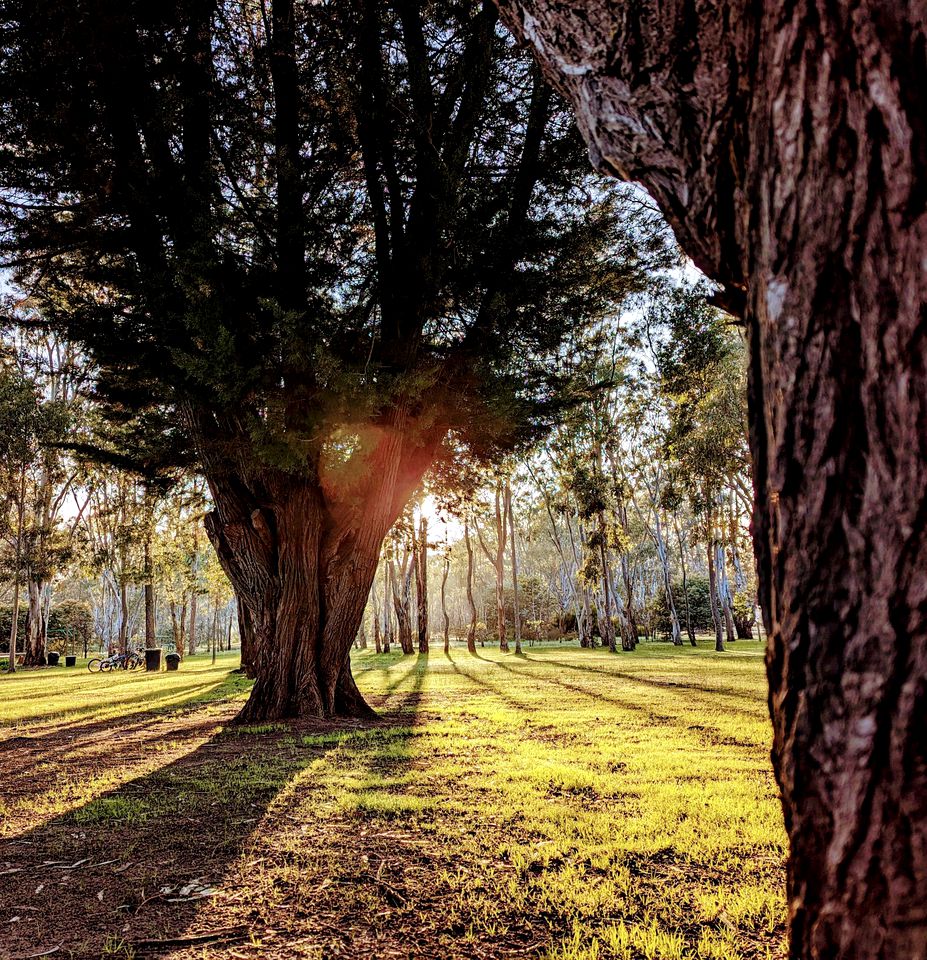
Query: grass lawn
pixel 568 804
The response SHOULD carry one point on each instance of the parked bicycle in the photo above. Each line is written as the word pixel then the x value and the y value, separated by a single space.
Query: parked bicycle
pixel 118 661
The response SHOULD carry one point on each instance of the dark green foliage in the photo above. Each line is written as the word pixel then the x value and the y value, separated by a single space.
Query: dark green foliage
pixel 698 592
pixel 304 226
pixel 70 625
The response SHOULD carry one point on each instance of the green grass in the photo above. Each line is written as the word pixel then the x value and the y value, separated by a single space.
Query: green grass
pixel 59 694
pixel 567 804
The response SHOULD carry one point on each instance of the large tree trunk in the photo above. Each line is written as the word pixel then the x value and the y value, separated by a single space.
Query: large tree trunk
pixel 304 607
pixel 301 554
pixel 786 143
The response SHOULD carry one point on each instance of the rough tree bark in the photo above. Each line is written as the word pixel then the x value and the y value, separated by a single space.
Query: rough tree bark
pixel 301 553
pixel 786 143
pixel 36 626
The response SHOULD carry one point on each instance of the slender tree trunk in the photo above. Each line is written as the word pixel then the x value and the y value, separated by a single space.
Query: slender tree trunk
pixel 447 620
pixel 713 593
pixel 421 584
pixel 243 625
pixel 123 640
pixel 150 640
pixel 683 566
pixel 471 629
pixel 377 635
pixel 401 587
pixel 724 593
pixel 606 627
pixel 663 554
pixel 516 606
pixel 17 571
pixel 501 525
pixel 387 620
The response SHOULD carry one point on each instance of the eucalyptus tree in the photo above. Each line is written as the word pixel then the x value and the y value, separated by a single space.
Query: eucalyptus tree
pixel 26 427
pixel 701 365
pixel 310 240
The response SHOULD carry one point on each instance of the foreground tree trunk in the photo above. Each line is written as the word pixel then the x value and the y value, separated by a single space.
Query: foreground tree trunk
pixel 303 608
pixel 786 144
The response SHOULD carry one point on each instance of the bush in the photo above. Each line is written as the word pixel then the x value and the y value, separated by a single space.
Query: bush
pixel 70 622
pixel 699 594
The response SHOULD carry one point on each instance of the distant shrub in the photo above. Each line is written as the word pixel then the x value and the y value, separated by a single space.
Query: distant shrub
pixel 69 622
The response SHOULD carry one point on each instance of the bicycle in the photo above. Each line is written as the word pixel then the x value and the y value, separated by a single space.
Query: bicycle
pixel 118 661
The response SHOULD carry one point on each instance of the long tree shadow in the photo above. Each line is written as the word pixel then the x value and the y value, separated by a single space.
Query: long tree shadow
pixel 140 865
pixel 497 691
pixel 651 682
pixel 169 698
pixel 654 717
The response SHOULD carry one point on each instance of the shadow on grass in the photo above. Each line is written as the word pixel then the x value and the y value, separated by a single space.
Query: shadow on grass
pixel 636 678
pixel 670 686
pixel 194 692
pixel 142 862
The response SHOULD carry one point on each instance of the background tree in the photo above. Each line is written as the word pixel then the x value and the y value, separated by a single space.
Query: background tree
pixel 330 236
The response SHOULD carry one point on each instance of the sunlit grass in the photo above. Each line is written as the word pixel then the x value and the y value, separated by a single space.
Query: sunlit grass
pixel 567 804
pixel 60 694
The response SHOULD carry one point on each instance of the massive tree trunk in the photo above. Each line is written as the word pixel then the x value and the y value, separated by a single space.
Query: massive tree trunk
pixel 304 601
pixel 301 553
pixel 787 145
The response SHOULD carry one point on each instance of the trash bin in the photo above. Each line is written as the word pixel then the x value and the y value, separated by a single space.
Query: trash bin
pixel 70 660
pixel 53 658
pixel 152 658
pixel 172 660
